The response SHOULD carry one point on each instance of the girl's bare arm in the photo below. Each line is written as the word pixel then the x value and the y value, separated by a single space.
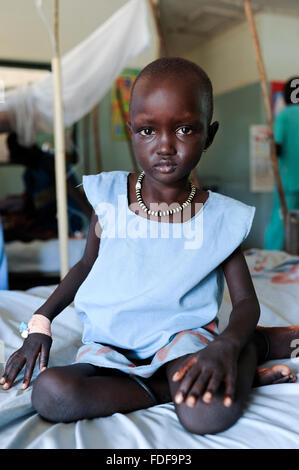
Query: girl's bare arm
pixel 218 361
pixel 65 292
pixel 39 344
pixel 246 310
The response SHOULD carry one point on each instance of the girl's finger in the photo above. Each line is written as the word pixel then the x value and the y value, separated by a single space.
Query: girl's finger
pixel 14 358
pixel 184 368
pixel 12 372
pixel 227 401
pixel 6 371
pixel 185 385
pixel 27 375
pixel 9 361
pixel 198 388
pixel 29 369
pixel 43 358
pixel 212 387
pixel 229 393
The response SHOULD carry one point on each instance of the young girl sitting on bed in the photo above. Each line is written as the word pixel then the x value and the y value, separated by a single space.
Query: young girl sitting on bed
pixel 150 283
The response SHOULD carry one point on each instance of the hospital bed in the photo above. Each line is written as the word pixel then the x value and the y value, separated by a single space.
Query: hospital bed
pixel 38 262
pixel 270 420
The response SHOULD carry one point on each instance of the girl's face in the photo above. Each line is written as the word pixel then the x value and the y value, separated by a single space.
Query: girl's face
pixel 169 127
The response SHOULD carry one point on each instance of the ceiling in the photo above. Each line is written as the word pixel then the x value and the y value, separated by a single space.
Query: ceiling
pixel 185 21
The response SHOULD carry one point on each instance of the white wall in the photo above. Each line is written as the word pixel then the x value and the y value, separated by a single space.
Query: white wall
pixel 280 45
pixel 229 58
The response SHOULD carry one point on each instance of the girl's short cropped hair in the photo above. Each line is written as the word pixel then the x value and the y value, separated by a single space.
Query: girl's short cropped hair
pixel 177 66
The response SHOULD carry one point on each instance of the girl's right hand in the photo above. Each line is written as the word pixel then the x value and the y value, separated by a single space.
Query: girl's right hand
pixel 35 344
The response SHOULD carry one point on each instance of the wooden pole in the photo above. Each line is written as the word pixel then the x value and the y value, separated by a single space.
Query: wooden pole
pixel 161 43
pixel 86 144
pixel 97 145
pixel 267 104
pixel 60 170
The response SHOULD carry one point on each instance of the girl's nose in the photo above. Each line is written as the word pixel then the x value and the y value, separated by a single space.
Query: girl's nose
pixel 166 146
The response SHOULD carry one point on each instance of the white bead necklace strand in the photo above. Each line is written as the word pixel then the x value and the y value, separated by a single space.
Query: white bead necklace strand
pixel 160 213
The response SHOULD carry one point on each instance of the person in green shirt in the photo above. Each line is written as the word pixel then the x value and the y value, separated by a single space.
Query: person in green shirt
pixel 286 134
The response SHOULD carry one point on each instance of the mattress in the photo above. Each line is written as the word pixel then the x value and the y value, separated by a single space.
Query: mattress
pixel 270 420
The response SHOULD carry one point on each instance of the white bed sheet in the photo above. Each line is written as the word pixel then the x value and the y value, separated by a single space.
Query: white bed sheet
pixel 269 422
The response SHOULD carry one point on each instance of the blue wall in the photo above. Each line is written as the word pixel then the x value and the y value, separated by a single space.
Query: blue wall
pixel 226 163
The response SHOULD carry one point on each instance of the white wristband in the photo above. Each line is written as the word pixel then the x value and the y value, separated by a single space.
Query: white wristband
pixel 39 324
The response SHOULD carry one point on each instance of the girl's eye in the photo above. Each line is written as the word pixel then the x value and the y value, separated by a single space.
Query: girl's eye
pixel 146 131
pixel 185 130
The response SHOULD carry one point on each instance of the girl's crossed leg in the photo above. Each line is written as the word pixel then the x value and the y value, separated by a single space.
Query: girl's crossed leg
pixel 214 417
pixel 84 391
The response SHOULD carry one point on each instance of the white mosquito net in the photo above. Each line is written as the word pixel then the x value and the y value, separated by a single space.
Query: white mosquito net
pixel 88 71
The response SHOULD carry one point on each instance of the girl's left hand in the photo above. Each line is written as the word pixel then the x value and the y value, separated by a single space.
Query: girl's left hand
pixel 204 371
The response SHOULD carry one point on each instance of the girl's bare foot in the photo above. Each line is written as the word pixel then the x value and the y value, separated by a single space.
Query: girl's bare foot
pixel 277 374
pixel 281 340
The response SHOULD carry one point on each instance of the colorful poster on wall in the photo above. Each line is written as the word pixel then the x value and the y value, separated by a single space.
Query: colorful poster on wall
pixel 261 174
pixel 120 99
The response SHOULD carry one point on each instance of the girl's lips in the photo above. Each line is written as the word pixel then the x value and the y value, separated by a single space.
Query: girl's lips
pixel 165 168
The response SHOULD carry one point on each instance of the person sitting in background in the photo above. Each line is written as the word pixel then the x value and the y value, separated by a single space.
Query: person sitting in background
pixel 32 215
pixel 286 134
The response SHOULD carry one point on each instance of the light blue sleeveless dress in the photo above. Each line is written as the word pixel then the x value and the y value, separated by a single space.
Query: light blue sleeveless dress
pixel 155 288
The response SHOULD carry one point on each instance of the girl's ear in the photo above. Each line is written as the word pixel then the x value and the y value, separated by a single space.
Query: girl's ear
pixel 213 128
pixel 129 127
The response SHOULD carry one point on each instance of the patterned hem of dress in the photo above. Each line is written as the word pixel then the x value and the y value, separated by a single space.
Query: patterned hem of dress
pixel 184 342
